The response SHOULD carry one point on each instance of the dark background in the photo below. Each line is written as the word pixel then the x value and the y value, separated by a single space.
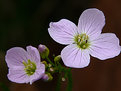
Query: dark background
pixel 25 22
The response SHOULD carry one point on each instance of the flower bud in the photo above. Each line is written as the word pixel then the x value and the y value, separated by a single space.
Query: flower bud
pixel 44 51
pixel 63 79
pixel 47 77
pixel 57 58
pixel 51 70
pixel 49 65
pixel 45 63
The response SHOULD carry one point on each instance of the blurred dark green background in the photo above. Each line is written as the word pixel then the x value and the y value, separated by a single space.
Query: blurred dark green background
pixel 25 22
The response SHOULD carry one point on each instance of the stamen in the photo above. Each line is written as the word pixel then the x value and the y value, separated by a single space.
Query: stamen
pixel 30 67
pixel 82 41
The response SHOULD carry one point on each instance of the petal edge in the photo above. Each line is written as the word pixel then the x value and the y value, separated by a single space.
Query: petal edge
pixel 63 31
pixel 74 57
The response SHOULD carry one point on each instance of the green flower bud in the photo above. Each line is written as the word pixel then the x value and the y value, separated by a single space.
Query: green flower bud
pixel 50 76
pixel 45 63
pixel 57 58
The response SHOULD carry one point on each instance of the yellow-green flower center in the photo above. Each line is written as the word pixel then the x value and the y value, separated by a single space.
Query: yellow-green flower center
pixel 30 67
pixel 82 41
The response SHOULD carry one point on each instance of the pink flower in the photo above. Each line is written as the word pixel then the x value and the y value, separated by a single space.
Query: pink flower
pixel 24 66
pixel 85 39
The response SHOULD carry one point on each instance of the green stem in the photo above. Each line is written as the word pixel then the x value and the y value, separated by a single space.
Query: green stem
pixel 58 88
pixel 69 85
pixel 49 61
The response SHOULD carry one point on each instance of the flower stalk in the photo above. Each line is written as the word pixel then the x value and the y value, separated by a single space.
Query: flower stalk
pixel 50 61
pixel 69 85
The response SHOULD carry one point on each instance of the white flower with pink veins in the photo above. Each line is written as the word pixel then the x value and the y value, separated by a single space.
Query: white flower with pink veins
pixel 85 39
pixel 24 66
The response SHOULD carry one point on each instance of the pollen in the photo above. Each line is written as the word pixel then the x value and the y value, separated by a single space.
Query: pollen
pixel 82 41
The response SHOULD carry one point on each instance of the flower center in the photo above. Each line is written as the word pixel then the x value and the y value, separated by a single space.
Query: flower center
pixel 82 40
pixel 30 67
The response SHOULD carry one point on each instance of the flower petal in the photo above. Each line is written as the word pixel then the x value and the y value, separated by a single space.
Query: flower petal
pixel 63 31
pixel 15 57
pixel 18 76
pixel 38 74
pixel 74 57
pixel 34 54
pixel 91 22
pixel 106 46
